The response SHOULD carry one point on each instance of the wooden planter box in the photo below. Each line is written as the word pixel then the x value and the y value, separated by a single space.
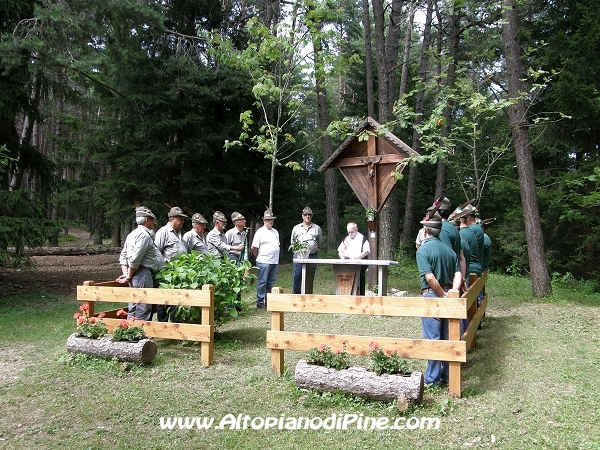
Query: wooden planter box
pixel 360 382
pixel 142 351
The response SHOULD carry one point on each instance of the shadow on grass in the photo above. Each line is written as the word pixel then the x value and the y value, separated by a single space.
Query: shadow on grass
pixel 486 363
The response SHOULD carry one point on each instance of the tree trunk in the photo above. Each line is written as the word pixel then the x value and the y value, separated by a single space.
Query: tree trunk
pixel 368 59
pixel 360 382
pixel 409 211
pixel 450 81
pixel 540 278
pixel 143 351
pixel 116 235
pixel 331 180
pixel 66 251
pixel 387 61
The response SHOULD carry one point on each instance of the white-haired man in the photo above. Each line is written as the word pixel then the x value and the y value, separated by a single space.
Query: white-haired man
pixel 139 260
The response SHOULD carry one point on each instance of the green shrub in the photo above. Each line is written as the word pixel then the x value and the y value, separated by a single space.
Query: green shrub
pixel 193 270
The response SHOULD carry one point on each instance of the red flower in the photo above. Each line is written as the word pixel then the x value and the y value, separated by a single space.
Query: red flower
pixel 101 316
pixel 76 316
pixel 121 313
pixel 124 324
pixel 84 308
pixel 373 345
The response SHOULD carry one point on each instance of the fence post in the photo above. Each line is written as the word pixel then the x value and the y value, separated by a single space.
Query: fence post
pixel 454 371
pixel 277 355
pixel 89 312
pixel 207 349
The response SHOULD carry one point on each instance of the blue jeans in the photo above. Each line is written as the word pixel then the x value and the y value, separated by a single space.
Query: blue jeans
pixel 267 275
pixel 142 278
pixel 435 328
pixel 297 285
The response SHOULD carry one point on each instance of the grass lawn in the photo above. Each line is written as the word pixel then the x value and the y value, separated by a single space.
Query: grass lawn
pixel 532 381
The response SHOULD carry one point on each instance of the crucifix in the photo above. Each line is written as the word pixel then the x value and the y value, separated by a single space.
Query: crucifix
pixel 368 160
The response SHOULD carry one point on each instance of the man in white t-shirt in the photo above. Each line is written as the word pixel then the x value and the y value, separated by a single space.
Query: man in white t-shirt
pixel 355 246
pixel 265 246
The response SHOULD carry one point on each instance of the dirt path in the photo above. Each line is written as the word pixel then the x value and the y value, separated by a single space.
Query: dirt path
pixel 60 274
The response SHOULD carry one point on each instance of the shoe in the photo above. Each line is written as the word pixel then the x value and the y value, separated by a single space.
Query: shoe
pixel 261 306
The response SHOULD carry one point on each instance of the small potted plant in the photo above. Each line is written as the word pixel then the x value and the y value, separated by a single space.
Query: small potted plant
pixel 127 330
pixel 370 212
pixel 89 327
pixel 301 248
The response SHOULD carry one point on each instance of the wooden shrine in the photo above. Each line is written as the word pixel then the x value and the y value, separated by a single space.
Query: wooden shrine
pixel 368 160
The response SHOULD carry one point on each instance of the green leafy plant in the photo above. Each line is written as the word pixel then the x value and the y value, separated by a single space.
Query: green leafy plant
pixel 386 362
pixel 193 270
pixel 90 327
pixel 298 246
pixel 323 356
pixel 370 212
pixel 127 330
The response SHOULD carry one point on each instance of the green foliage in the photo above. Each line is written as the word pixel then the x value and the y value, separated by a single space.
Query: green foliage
pixel 193 270
pixel 23 224
pixel 386 362
pixel 127 330
pixel 89 327
pixel 298 246
pixel 323 356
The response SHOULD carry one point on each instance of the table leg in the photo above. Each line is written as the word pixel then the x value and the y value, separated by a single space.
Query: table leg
pixel 308 277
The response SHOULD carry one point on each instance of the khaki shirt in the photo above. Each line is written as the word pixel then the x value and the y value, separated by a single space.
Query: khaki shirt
pixel 139 250
pixel 234 237
pixel 194 241
pixel 313 235
pixel 169 242
pixel 216 243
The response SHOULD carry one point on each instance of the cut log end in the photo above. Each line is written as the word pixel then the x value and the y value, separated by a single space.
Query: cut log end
pixel 360 382
pixel 143 351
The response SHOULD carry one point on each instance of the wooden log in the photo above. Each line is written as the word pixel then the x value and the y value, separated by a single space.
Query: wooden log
pixel 67 251
pixel 142 351
pixel 360 382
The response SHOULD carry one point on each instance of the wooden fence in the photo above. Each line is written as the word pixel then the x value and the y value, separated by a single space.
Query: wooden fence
pixel 112 291
pixel 454 350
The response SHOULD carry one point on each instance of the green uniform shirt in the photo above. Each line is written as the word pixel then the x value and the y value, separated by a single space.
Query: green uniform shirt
pixel 437 258
pixel 450 235
pixel 475 259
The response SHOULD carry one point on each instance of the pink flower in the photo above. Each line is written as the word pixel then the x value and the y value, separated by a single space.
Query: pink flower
pixel 322 348
pixel 92 320
pixel 121 313
pixel 133 318
pixel 84 308
pixel 101 316
pixel 373 345
pixel 391 352
pixel 76 316
pixel 81 320
pixel 337 351
pixel 124 324
pixel 344 341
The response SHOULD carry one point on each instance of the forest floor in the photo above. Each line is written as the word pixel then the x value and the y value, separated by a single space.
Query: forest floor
pixel 60 274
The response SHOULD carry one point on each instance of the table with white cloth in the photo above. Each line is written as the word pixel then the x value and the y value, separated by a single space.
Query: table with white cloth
pixel 346 274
